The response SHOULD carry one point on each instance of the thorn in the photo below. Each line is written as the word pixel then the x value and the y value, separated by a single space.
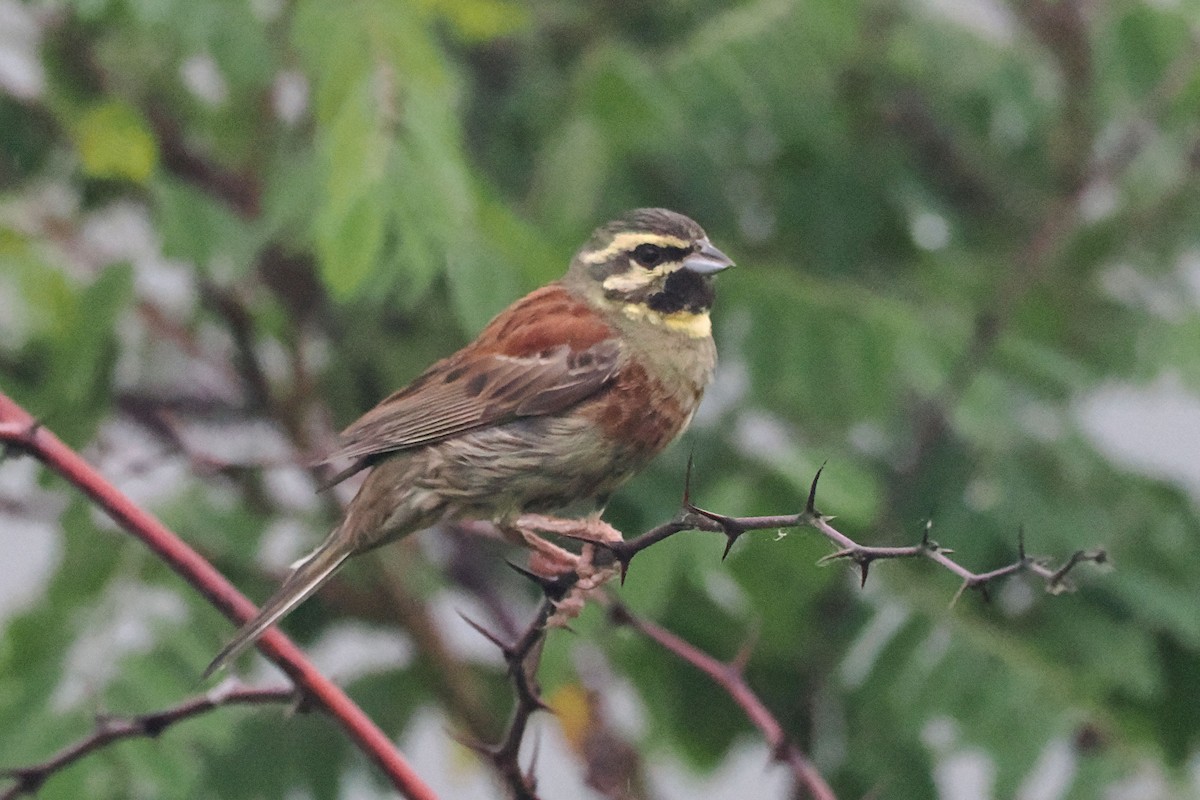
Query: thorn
pixel 839 555
pixel 624 554
pixel 729 526
pixel 687 481
pixel 524 572
pixel 925 542
pixel 552 587
pixel 530 778
pixel 485 633
pixel 811 506
pixel 474 745
pixel 730 538
pixel 575 537
pixel 1021 543
pixel 555 588
pixel 864 566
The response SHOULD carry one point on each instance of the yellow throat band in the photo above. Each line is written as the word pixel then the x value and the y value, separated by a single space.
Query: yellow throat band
pixel 695 325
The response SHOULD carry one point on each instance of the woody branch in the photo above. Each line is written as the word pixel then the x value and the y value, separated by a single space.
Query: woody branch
pixel 524 654
pixel 109 730
pixel 19 431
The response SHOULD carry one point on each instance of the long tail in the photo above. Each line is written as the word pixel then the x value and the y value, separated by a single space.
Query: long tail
pixel 307 576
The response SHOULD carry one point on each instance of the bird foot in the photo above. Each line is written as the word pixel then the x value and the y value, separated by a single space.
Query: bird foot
pixel 550 560
pixel 592 528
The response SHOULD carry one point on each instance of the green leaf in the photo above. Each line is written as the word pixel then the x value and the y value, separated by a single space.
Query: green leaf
pixel 114 141
pixel 480 20
pixel 42 296
pixel 350 243
pixel 67 372
pixel 200 228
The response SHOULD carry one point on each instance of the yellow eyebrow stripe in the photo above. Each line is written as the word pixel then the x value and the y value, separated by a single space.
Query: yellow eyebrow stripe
pixel 623 242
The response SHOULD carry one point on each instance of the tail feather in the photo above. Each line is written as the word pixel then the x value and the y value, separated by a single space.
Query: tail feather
pixel 308 576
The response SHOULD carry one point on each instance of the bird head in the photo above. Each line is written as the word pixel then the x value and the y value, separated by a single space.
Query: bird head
pixel 651 264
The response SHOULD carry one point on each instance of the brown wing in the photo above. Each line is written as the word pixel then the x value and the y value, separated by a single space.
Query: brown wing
pixel 473 390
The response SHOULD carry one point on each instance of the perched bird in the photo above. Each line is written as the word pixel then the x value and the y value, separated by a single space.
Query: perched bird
pixel 562 397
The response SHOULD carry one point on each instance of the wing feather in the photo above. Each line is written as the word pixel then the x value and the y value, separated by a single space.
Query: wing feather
pixel 474 390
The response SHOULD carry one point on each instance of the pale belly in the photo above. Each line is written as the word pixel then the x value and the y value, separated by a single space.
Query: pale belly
pixel 540 465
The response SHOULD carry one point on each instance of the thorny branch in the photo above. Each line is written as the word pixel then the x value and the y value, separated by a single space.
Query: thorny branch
pixel 20 432
pixel 111 729
pixel 523 655
pixel 695 518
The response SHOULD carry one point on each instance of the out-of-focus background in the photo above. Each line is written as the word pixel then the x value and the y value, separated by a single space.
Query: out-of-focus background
pixel 968 281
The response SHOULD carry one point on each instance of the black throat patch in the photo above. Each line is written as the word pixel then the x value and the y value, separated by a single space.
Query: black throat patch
pixel 683 290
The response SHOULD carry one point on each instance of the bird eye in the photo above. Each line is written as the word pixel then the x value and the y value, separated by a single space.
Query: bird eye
pixel 648 255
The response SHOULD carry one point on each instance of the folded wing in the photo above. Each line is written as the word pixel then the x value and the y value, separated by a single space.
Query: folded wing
pixel 472 391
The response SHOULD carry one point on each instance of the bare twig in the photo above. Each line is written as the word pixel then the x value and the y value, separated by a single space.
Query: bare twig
pixel 20 431
pixel 111 729
pixel 730 677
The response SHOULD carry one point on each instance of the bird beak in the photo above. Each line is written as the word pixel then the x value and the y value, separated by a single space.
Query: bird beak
pixel 708 260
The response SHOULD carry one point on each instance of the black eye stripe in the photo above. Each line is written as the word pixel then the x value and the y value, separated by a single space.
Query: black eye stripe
pixel 651 255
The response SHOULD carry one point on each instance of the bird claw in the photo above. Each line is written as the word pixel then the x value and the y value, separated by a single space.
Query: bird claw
pixel 587 529
pixel 551 560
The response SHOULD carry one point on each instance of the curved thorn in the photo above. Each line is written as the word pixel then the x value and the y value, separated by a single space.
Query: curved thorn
pixel 811 506
pixel 485 633
pixel 541 580
pixel 474 745
pixel 687 481
pixel 729 525
pixel 730 538
pixel 840 554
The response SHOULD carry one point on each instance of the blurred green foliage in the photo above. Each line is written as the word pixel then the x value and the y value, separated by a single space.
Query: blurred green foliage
pixel 956 226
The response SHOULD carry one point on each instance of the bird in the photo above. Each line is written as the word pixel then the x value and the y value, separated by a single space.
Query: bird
pixel 560 399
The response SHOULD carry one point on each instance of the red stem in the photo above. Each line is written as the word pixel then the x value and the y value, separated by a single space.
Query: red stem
pixel 20 429
pixel 729 678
